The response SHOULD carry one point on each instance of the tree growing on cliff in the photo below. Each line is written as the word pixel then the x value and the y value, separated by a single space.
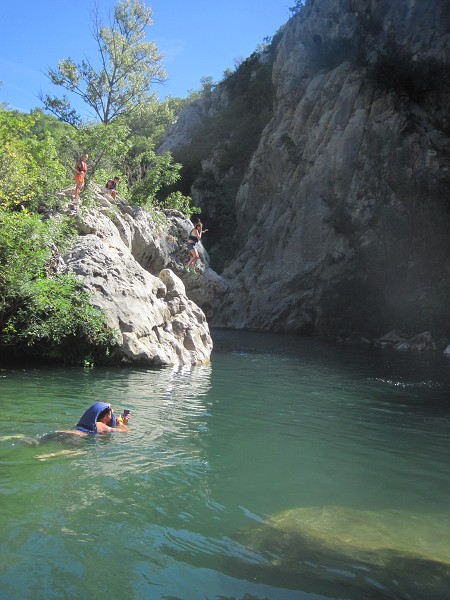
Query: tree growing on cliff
pixel 129 66
pixel 298 6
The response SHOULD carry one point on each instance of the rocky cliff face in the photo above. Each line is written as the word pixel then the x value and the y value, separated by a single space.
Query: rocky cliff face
pixel 341 218
pixel 132 265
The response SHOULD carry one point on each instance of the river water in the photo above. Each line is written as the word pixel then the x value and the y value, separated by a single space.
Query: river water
pixel 288 469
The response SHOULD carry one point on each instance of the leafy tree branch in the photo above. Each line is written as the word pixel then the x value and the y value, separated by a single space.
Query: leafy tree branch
pixel 129 66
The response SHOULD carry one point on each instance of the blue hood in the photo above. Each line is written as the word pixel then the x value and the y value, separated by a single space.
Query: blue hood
pixel 88 421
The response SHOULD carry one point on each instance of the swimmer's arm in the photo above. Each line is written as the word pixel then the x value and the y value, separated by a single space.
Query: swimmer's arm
pixel 103 428
pixel 121 427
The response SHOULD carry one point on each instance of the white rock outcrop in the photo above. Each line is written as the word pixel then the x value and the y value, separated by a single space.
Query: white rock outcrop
pixel 123 259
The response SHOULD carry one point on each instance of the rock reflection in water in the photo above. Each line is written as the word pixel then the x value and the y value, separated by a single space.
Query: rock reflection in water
pixel 356 554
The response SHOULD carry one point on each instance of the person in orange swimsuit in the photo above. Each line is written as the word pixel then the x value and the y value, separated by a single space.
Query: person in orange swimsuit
pixel 81 168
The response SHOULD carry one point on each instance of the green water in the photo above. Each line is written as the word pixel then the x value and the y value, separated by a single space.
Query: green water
pixel 236 481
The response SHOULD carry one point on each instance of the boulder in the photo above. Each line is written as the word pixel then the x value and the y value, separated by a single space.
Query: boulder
pixel 423 342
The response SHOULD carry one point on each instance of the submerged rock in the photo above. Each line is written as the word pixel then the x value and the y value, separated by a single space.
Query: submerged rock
pixel 355 553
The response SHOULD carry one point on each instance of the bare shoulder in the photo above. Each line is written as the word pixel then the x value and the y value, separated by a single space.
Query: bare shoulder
pixel 103 428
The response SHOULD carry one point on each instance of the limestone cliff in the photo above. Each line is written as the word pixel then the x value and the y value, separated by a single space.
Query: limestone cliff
pixel 338 214
pixel 132 264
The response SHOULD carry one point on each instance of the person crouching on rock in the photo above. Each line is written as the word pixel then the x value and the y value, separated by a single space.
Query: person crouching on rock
pixel 111 186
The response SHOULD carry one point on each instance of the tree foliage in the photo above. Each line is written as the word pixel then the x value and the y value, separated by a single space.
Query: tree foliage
pixel 129 120
pixel 30 170
pixel 40 316
pixel 153 190
pixel 57 321
pixel 297 7
pixel 24 251
pixel 129 66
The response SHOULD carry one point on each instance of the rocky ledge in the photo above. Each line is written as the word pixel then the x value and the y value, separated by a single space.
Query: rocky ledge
pixel 131 262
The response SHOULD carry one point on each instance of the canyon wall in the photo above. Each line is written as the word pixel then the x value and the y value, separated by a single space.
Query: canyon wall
pixel 336 219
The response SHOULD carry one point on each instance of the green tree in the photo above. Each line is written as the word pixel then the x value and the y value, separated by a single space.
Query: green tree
pixel 105 145
pixel 24 251
pixel 30 169
pixel 162 173
pixel 146 126
pixel 129 67
pixel 42 316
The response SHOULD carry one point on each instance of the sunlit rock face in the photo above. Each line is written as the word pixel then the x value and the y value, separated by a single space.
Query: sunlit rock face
pixel 357 554
pixel 342 226
pixel 131 267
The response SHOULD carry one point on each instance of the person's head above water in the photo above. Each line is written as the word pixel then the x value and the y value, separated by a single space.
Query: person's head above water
pixel 99 411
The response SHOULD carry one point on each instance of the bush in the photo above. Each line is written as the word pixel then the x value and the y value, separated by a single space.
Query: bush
pixel 44 317
pixel 155 189
pixel 395 71
pixel 176 201
pixel 56 321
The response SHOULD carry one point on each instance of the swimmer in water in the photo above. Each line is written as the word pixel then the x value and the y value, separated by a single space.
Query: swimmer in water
pixel 99 418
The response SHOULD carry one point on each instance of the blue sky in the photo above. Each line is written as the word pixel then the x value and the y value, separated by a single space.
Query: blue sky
pixel 199 38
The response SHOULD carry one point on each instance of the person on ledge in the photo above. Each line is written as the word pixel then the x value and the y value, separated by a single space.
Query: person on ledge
pixel 111 186
pixel 192 244
pixel 81 169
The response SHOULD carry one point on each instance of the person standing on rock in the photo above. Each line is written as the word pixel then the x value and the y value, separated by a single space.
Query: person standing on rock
pixel 193 241
pixel 81 168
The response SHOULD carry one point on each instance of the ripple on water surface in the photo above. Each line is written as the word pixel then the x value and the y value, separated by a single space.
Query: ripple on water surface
pixel 279 440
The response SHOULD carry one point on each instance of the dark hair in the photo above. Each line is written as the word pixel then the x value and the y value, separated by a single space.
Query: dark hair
pixel 103 413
